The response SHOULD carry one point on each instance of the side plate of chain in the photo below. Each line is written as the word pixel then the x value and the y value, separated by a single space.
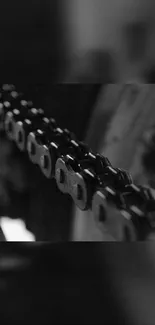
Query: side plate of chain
pixel 88 178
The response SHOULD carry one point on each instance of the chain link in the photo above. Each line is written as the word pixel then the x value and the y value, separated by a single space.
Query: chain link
pixel 88 178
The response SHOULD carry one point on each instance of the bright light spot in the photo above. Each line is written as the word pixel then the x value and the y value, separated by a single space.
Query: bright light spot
pixel 15 230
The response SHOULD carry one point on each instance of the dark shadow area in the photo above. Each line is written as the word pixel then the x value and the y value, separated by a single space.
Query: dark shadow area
pixel 48 284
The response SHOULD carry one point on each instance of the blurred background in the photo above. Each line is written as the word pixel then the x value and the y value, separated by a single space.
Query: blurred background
pixel 43 41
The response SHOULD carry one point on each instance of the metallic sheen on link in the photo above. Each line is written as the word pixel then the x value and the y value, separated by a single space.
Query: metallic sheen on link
pixel 88 178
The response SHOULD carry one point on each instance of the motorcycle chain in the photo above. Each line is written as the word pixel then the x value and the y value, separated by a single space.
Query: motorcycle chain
pixel 89 178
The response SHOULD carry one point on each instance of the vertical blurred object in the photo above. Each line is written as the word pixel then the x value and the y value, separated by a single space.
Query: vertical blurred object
pixel 2 237
pixel 136 39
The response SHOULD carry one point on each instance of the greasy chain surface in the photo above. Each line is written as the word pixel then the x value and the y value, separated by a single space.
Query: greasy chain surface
pixel 88 178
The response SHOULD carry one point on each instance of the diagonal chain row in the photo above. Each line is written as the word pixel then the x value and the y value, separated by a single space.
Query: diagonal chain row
pixel 88 178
